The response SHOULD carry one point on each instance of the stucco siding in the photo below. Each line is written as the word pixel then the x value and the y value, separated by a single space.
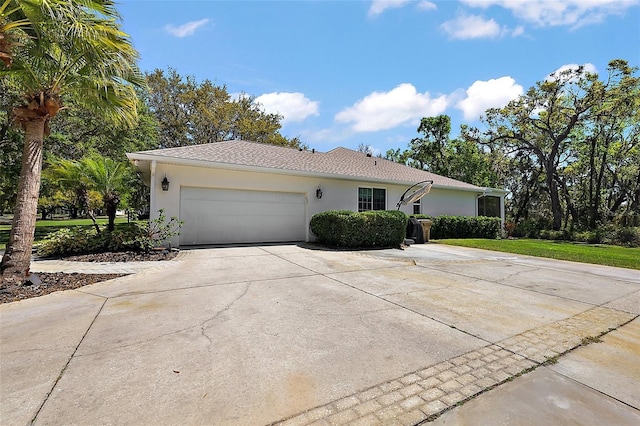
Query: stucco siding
pixel 337 194
pixel 440 202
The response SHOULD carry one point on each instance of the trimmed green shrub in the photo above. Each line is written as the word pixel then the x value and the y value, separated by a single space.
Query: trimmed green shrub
pixel 80 239
pixel 591 237
pixel 343 228
pixel 625 236
pixel 614 235
pixel 562 235
pixel 130 236
pixel 610 234
pixel 464 227
pixel 530 228
pixel 67 241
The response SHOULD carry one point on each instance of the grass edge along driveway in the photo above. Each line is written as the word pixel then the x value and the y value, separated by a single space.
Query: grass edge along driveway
pixel 45 227
pixel 599 254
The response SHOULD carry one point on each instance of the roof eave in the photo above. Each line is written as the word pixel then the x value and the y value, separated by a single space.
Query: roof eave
pixel 138 156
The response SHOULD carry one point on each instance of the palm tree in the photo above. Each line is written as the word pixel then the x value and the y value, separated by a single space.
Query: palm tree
pixel 76 51
pixel 18 19
pixel 69 175
pixel 92 173
pixel 12 21
pixel 109 178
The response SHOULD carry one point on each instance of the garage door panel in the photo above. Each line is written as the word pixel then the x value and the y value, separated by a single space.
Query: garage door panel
pixel 217 216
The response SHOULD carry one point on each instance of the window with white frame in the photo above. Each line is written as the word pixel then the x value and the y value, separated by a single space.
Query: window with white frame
pixel 372 199
pixel 416 207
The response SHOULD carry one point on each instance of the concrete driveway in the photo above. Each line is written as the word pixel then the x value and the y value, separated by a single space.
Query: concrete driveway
pixel 295 334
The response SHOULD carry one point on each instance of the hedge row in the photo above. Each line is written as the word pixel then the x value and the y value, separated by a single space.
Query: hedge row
pixel 464 227
pixel 615 235
pixel 343 228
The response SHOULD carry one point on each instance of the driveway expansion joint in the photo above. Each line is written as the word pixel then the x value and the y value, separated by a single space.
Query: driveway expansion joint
pixel 425 394
pixel 66 365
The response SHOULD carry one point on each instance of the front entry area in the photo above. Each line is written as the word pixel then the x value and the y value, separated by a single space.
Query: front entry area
pixel 223 216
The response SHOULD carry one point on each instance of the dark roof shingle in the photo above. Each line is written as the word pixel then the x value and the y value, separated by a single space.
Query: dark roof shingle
pixel 337 162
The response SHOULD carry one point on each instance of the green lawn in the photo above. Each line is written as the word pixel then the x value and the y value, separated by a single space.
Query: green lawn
pixel 45 227
pixel 599 254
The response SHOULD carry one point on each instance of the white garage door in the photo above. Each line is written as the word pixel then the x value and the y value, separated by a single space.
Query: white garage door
pixel 220 216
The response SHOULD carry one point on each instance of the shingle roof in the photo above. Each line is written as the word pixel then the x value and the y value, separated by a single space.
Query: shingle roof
pixel 337 162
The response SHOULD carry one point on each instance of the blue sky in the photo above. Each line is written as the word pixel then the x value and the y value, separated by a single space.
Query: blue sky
pixel 344 73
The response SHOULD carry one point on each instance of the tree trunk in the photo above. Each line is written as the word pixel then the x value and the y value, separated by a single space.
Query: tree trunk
pixel 594 209
pixel 598 195
pixel 635 196
pixel 522 206
pixel 17 256
pixel 571 208
pixel 111 202
pixel 556 207
pixel 93 219
pixel 83 197
pixel 111 214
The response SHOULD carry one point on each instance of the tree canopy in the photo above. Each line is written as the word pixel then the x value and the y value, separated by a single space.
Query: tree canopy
pixel 567 151
pixel 573 138
pixel 455 158
pixel 189 112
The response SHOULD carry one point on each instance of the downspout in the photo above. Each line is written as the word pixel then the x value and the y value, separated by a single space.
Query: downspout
pixel 152 191
pixel 502 214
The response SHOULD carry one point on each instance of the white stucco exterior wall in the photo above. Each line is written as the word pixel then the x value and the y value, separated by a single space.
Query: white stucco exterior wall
pixel 338 194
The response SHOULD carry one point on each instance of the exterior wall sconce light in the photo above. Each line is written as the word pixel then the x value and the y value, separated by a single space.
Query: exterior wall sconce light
pixel 165 183
pixel 319 192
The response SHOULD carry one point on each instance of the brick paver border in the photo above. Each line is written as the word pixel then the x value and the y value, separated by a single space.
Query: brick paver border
pixel 425 394
pixel 136 267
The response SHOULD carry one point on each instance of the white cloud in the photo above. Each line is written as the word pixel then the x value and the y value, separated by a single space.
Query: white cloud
pixel 293 106
pixel 586 68
pixel 235 96
pixel 427 5
pixel 519 30
pixel 326 136
pixel 574 13
pixel 494 93
pixel 468 27
pixel 187 29
pixel 385 110
pixel 379 6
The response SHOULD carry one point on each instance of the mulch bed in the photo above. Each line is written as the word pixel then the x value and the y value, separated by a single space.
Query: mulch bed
pixel 51 282
pixel 124 256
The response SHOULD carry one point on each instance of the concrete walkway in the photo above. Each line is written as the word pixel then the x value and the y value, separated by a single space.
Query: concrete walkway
pixel 294 335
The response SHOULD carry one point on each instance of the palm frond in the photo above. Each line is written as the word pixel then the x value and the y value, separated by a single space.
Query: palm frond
pixel 80 52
